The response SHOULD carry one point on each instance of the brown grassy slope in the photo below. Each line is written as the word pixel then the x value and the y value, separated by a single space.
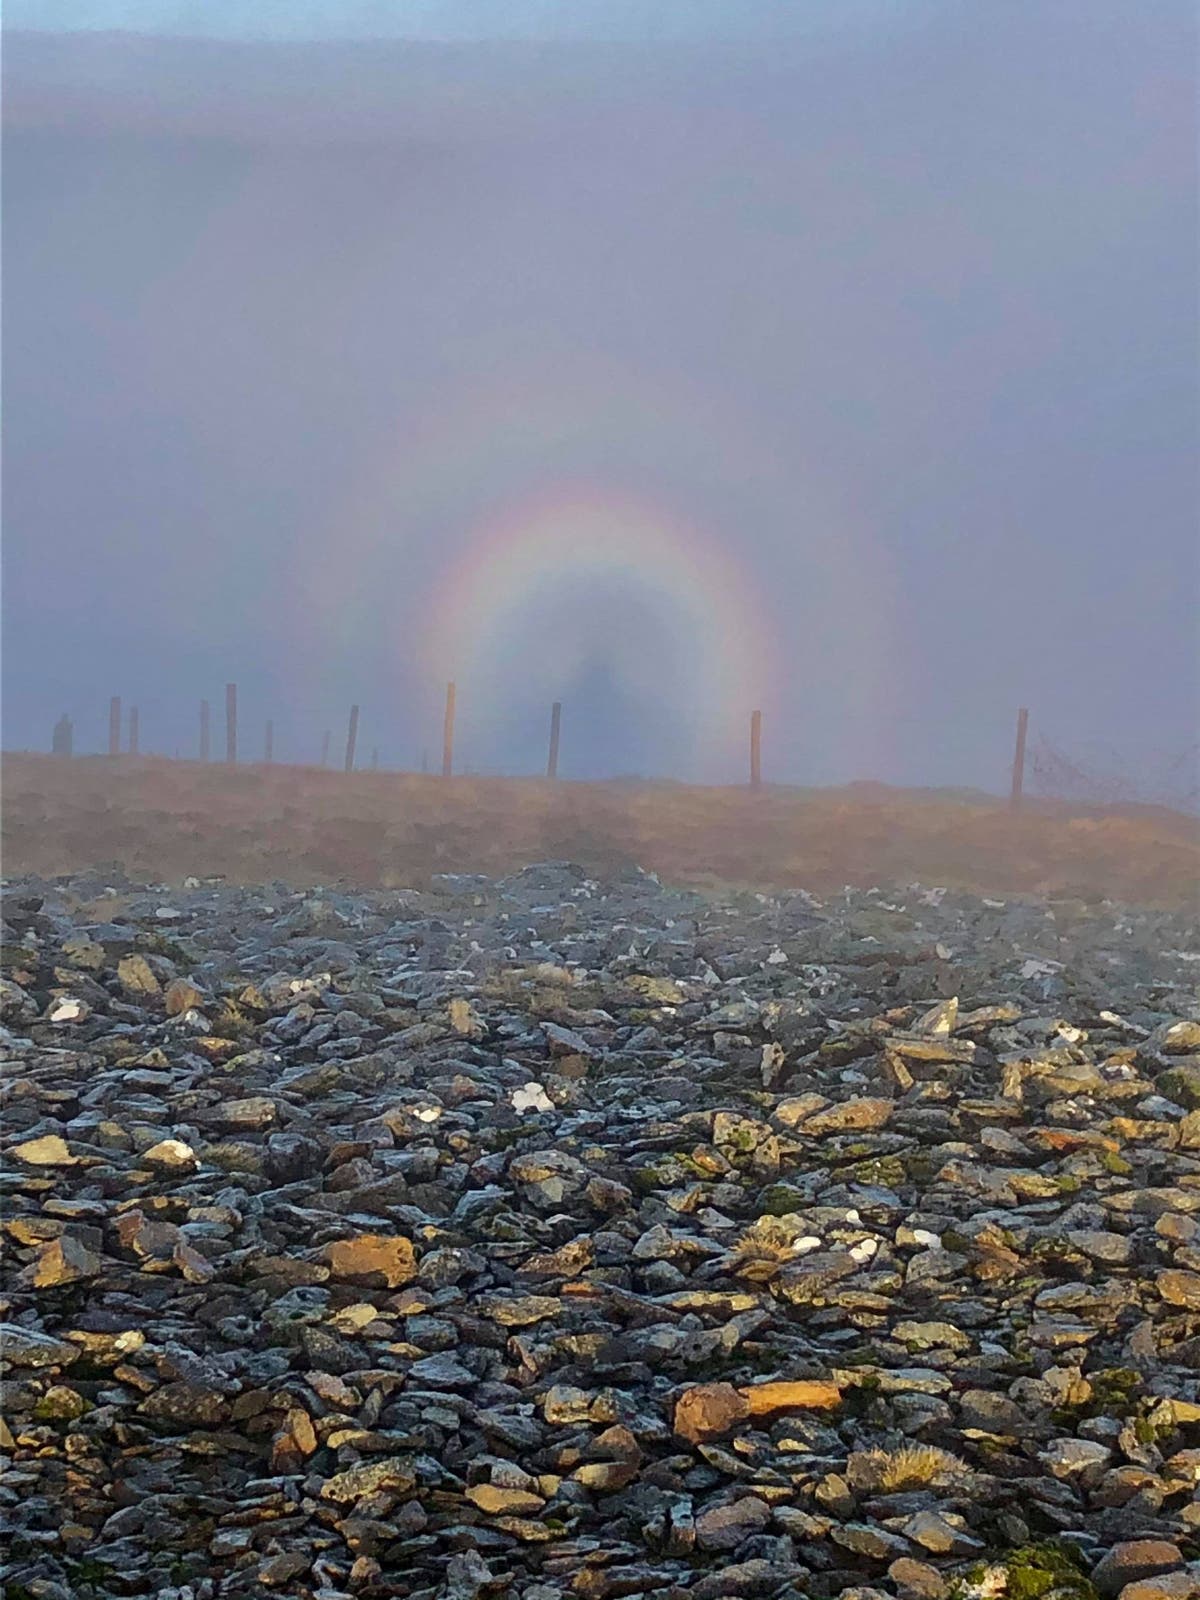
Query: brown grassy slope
pixel 163 820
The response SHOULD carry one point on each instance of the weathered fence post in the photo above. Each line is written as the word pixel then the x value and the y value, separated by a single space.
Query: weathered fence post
pixel 1018 771
pixel 231 722
pixel 62 742
pixel 351 738
pixel 205 730
pixel 555 726
pixel 448 733
pixel 114 725
pixel 755 749
pixel 269 743
pixel 133 730
pixel 325 748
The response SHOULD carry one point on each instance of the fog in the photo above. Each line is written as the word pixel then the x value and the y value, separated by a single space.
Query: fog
pixel 849 372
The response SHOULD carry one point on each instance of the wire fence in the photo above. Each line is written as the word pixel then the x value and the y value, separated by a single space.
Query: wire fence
pixel 1088 775
pixel 1099 775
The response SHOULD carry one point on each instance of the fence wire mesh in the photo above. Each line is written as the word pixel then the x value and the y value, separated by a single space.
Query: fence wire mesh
pixel 1099 775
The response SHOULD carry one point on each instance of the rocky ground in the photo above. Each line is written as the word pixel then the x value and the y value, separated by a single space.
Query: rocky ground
pixel 545 1237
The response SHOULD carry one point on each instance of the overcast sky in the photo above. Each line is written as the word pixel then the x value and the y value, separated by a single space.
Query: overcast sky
pixel 461 20
pixel 884 314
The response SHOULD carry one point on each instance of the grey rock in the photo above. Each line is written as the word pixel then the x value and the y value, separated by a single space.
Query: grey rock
pixel 922 1229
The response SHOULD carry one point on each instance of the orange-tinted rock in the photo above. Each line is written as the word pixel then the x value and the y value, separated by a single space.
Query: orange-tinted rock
pixel 294 1442
pixel 382 1260
pixel 817 1394
pixel 708 1411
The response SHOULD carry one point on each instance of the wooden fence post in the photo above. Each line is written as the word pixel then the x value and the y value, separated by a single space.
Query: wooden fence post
pixel 133 730
pixel 62 740
pixel 755 749
pixel 374 758
pixel 555 726
pixel 1018 771
pixel 325 737
pixel 231 722
pixel 269 743
pixel 351 738
pixel 114 725
pixel 448 733
pixel 205 730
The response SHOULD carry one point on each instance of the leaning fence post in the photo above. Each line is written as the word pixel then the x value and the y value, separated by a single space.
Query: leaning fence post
pixel 114 725
pixel 351 738
pixel 1018 770
pixel 231 722
pixel 205 730
pixel 755 749
pixel 555 725
pixel 448 733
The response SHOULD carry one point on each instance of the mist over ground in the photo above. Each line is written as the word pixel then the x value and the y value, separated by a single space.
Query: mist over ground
pixel 880 337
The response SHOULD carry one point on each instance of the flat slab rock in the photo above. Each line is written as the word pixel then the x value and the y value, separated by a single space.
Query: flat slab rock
pixel 551 1237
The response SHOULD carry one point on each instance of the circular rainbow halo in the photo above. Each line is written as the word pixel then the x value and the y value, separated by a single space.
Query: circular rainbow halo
pixel 590 593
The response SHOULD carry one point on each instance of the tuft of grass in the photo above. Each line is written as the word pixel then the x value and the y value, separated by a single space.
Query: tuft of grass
pixel 771 1238
pixel 912 1467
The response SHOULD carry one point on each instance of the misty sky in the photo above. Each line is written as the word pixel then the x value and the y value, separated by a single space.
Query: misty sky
pixel 886 314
